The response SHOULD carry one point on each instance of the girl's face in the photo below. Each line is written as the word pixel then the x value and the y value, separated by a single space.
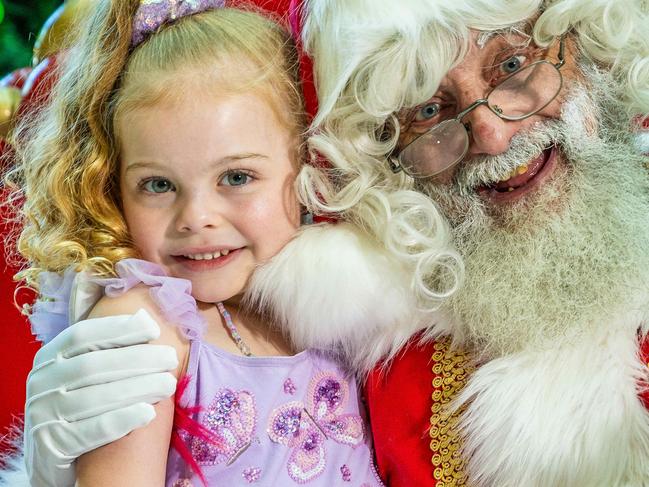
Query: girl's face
pixel 207 188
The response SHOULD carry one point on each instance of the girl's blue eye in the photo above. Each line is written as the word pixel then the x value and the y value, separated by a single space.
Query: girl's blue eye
pixel 158 185
pixel 235 178
pixel 513 64
pixel 428 111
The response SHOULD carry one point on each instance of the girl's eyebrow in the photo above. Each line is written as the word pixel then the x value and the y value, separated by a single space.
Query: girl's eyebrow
pixel 224 160
pixel 240 157
pixel 142 165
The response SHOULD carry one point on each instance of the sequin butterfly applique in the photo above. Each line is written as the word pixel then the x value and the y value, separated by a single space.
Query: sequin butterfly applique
pixel 305 428
pixel 231 416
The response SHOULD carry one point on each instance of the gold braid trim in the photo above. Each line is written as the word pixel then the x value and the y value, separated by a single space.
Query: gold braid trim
pixel 451 370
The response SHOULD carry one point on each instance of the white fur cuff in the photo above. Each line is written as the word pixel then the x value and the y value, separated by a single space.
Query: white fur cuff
pixel 333 287
pixel 14 473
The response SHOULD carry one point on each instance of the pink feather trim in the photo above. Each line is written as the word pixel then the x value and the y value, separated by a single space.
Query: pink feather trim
pixel 184 422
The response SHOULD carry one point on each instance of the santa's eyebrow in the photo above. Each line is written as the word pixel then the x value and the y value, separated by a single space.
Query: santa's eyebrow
pixel 522 29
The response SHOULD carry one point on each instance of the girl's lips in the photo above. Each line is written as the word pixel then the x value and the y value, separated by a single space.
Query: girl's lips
pixel 205 265
pixel 519 186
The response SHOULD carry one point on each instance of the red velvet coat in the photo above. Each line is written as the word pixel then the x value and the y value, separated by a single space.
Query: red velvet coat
pixel 413 442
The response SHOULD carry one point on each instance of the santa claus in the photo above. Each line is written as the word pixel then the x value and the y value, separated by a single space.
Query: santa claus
pixel 518 119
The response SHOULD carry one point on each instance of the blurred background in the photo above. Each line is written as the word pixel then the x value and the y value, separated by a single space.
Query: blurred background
pixel 20 23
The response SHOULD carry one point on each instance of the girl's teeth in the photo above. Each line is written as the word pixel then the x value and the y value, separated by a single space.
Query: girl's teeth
pixel 225 252
pixel 204 256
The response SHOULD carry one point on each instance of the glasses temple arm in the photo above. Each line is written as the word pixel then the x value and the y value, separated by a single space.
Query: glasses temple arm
pixel 562 46
pixel 394 165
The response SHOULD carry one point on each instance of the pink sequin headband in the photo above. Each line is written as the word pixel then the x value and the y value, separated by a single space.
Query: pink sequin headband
pixel 153 14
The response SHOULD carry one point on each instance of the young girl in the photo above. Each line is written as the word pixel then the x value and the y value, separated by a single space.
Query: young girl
pixel 164 169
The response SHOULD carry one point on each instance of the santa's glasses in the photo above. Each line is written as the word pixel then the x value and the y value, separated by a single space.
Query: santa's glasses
pixel 521 95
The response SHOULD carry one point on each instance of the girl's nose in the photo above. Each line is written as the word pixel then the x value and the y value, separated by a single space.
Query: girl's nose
pixel 197 212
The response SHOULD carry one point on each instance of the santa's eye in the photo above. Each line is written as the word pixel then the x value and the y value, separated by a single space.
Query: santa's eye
pixel 513 64
pixel 427 111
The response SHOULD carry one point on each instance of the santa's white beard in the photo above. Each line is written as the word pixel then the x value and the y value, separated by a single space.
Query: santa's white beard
pixel 569 256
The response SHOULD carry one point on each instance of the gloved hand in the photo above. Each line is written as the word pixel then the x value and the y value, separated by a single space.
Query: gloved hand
pixel 91 385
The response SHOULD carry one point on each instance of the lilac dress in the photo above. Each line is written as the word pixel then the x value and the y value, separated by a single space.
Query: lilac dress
pixel 280 421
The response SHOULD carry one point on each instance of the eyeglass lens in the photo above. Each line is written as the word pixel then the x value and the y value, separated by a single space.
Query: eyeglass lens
pixel 517 97
pixel 526 92
pixel 435 150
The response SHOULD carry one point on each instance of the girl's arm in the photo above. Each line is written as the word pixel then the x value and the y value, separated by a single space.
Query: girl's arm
pixel 139 458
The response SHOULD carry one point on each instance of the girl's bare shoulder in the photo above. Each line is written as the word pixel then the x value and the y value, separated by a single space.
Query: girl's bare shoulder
pixel 139 298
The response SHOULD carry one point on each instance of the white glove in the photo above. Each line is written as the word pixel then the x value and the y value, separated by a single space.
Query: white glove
pixel 91 385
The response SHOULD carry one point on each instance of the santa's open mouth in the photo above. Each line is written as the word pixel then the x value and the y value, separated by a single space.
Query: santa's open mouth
pixel 523 179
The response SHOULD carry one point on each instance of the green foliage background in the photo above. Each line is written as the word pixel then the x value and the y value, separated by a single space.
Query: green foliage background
pixel 22 21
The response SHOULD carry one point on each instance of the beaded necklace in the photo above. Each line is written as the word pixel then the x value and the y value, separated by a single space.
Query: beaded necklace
pixel 241 345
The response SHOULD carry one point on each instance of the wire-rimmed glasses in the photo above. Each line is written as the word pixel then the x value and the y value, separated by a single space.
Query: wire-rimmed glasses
pixel 521 95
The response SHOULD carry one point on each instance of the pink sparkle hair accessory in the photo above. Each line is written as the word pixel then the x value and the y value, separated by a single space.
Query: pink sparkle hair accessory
pixel 153 14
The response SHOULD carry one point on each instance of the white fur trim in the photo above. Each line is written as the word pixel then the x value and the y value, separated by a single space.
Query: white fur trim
pixel 642 141
pixel 334 288
pixel 14 473
pixel 567 416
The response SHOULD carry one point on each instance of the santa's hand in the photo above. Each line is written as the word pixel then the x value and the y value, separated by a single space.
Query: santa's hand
pixel 91 385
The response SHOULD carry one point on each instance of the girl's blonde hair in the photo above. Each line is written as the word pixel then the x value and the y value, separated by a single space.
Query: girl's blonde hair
pixel 67 171
pixel 374 57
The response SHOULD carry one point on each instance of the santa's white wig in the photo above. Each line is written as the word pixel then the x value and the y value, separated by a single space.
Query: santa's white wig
pixel 383 55
pixel 375 57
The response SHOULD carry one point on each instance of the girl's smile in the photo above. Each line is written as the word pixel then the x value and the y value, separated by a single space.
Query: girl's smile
pixel 204 261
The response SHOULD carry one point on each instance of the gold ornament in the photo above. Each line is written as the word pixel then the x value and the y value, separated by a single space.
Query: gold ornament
pixel 9 101
pixel 451 371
